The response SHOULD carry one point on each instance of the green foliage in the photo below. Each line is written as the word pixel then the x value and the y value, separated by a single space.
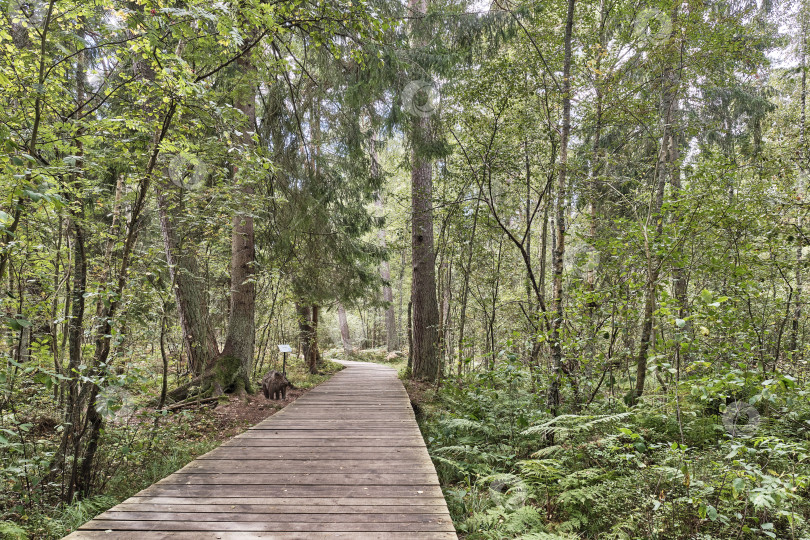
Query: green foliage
pixel 614 474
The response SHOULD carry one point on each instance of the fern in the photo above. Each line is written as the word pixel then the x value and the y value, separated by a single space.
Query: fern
pixel 498 523
pixel 466 452
pixel 583 496
pixel 465 424
pixel 548 451
pixel 545 536
pixel 12 531
pixel 541 470
pixel 567 425
pixel 453 465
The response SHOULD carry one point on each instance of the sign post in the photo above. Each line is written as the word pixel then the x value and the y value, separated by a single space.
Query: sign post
pixel 285 349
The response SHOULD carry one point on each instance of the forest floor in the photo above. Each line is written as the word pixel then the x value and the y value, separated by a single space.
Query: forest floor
pixel 227 420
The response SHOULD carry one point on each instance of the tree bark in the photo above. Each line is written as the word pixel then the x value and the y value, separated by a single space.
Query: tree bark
pixel 304 329
pixel 800 187
pixel 241 322
pixel 423 257
pixel 314 359
pixel 465 289
pixel 423 291
pixel 189 288
pixel 665 166
pixel 559 216
pixel 345 338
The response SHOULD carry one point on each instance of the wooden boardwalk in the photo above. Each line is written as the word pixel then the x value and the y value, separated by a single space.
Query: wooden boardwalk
pixel 346 460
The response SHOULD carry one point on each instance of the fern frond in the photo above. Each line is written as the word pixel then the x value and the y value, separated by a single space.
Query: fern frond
pixel 465 424
pixel 545 536
pixel 548 451
pixel 466 452
pixel 573 423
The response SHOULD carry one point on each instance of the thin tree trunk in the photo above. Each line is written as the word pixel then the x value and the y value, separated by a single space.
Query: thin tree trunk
pixel 664 166
pixel 465 290
pixel 391 341
pixel 304 329
pixel 314 351
pixel 164 387
pixel 559 215
pixel 797 310
pixel 345 338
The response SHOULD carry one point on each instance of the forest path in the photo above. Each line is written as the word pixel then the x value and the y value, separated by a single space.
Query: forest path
pixel 346 460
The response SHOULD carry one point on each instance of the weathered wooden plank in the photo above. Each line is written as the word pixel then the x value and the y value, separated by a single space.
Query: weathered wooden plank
pixel 314 479
pixel 239 517
pixel 302 466
pixel 320 443
pixel 423 491
pixel 225 535
pixel 272 508
pixel 357 435
pixel 294 454
pixel 275 526
pixel 324 503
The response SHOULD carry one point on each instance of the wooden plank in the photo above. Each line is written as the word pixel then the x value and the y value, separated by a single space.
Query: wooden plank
pixel 271 508
pixel 346 460
pixel 325 503
pixel 248 526
pixel 314 479
pixel 313 452
pixel 242 516
pixel 304 465
pixel 213 490
pixel 225 535
pixel 320 443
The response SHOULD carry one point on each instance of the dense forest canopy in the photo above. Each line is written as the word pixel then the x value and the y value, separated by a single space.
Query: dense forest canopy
pixel 582 222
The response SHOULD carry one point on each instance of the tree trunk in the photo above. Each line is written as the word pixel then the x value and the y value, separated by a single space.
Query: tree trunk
pixel 465 290
pixel 664 166
pixel 423 257
pixel 391 341
pixel 344 329
pixel 304 329
pixel 803 165
pixel 241 322
pixel 189 289
pixel 423 288
pixel 410 335
pixel 314 359
pixel 559 216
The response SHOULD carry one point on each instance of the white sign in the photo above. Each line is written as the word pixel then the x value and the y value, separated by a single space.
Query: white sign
pixel 284 348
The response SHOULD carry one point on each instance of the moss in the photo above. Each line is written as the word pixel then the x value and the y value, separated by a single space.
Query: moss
pixel 226 373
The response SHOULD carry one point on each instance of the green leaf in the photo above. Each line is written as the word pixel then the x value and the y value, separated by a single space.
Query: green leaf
pixel 737 486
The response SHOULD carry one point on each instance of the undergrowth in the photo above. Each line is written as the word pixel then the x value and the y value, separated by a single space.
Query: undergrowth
pixel 510 470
